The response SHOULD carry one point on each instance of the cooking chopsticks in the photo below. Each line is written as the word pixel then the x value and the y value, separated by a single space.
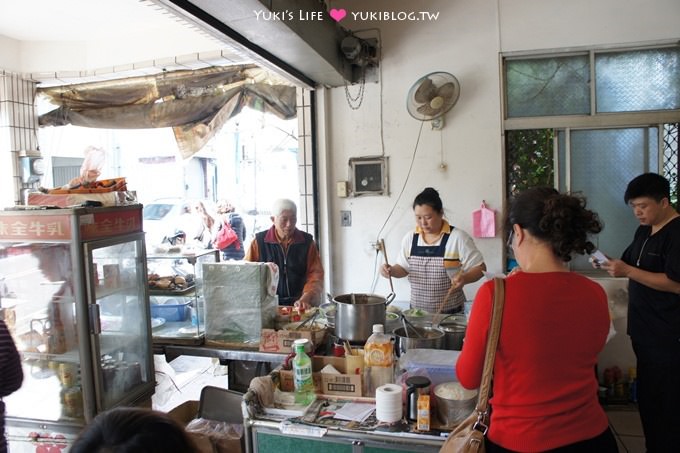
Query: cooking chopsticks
pixel 309 320
pixel 348 347
pixel 441 306
pixel 384 252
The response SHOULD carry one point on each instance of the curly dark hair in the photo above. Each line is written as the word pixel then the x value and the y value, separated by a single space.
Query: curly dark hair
pixel 133 430
pixel 561 220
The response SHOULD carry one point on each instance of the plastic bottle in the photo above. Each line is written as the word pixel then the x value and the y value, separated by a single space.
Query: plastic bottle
pixel 378 360
pixel 632 384
pixel 302 374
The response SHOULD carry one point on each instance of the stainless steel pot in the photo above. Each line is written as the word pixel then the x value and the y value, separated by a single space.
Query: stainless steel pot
pixel 454 327
pixel 430 338
pixel 355 314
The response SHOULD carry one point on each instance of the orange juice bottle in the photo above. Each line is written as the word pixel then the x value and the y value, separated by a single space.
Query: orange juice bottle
pixel 378 360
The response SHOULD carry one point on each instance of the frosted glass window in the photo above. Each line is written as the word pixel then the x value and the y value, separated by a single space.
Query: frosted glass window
pixel 548 86
pixel 638 80
pixel 602 162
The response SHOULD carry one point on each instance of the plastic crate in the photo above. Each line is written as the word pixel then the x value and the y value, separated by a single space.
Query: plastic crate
pixel 171 313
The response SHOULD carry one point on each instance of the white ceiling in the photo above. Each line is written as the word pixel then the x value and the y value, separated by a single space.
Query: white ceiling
pixel 78 20
pixel 59 42
pixel 149 33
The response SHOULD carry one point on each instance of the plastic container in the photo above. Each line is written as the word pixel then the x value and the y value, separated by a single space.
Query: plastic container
pixel 302 374
pixel 171 313
pixel 378 360
pixel 439 365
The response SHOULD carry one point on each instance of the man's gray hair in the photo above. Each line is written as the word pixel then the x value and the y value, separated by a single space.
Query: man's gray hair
pixel 283 204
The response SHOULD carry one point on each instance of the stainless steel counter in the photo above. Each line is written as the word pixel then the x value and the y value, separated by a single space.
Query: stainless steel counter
pixel 225 355
pixel 261 434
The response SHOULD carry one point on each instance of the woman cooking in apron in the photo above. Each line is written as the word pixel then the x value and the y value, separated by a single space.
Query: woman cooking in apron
pixel 438 258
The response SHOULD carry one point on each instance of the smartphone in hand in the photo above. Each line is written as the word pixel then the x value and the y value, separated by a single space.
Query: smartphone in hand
pixel 599 257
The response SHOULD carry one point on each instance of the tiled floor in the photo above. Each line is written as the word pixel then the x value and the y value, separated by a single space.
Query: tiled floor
pixel 625 422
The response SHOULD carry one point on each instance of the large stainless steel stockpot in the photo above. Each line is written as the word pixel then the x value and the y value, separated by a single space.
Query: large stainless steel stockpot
pixel 355 314
pixel 430 338
pixel 454 327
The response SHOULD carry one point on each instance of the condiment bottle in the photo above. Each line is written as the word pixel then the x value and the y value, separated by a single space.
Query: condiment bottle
pixel 302 374
pixel 378 360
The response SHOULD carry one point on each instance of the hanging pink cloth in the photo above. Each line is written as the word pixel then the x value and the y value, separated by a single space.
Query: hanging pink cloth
pixel 484 222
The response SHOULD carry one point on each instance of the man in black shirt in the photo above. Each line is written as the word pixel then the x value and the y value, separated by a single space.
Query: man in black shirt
pixel 652 264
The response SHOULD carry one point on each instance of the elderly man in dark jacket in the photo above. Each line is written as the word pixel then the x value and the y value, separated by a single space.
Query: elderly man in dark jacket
pixel 296 255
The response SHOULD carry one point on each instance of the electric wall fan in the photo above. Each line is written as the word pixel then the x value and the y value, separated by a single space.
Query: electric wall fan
pixel 432 96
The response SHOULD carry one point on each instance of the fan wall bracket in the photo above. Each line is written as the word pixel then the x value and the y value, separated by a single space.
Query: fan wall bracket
pixel 437 124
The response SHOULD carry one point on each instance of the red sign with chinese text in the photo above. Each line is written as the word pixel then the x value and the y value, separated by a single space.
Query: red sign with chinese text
pixel 95 224
pixel 28 227
pixel 103 224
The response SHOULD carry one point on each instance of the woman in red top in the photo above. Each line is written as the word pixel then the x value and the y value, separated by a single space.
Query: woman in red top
pixel 555 322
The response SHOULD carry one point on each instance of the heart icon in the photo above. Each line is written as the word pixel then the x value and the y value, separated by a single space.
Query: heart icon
pixel 338 14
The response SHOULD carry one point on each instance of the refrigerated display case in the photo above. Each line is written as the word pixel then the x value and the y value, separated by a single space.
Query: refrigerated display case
pixel 176 296
pixel 75 295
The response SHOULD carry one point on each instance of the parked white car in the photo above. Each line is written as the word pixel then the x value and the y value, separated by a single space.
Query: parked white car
pixel 167 218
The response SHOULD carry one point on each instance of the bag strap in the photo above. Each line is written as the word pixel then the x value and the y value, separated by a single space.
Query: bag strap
pixel 491 345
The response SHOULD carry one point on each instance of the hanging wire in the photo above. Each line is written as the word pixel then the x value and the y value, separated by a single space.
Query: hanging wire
pixel 442 164
pixel 408 175
pixel 401 192
pixel 380 81
pixel 355 101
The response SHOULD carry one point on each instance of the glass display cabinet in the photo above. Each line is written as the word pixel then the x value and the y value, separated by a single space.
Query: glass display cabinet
pixel 74 296
pixel 176 298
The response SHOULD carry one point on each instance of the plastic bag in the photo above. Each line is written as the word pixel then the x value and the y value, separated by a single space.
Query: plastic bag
pixel 484 222
pixel 91 168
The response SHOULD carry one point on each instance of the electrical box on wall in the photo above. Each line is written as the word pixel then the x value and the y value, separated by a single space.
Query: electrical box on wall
pixel 369 175
pixel 32 168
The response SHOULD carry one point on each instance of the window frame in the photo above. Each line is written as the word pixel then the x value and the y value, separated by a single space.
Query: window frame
pixel 594 119
pixel 569 123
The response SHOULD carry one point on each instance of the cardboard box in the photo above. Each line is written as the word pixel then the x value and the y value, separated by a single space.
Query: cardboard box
pixel 71 199
pixel 328 384
pixel 205 443
pixel 281 341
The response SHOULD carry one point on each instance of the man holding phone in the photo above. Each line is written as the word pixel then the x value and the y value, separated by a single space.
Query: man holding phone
pixel 652 264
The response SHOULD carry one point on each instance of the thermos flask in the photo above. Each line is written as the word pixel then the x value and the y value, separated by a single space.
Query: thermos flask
pixel 415 386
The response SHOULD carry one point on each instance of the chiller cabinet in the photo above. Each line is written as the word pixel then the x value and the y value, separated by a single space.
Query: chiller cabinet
pixel 73 292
